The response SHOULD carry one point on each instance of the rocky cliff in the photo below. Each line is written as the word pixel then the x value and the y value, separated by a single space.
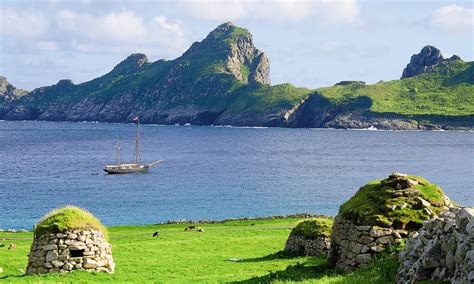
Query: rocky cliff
pixel 8 92
pixel 224 80
pixel 421 62
pixel 194 88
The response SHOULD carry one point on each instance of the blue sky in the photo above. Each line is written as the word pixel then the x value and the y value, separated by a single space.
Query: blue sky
pixel 309 43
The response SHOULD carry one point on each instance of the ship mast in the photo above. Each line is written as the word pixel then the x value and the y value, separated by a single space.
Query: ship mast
pixel 118 151
pixel 137 143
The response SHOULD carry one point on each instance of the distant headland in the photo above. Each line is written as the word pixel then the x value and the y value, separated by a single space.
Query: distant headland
pixel 224 80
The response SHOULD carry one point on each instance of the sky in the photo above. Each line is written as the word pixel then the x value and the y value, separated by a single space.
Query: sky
pixel 310 43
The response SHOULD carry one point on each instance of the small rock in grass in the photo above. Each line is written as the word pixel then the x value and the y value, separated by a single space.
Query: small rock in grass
pixel 422 203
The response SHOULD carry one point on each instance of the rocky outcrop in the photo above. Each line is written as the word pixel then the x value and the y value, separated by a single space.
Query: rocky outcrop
pixel 8 92
pixel 424 61
pixel 70 250
pixel 443 250
pixel 380 215
pixel 243 60
pixel 345 83
pixel 350 120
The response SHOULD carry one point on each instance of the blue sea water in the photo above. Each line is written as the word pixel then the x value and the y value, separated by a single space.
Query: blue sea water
pixel 213 172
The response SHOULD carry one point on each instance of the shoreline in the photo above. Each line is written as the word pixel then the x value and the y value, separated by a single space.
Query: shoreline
pixel 228 126
pixel 203 221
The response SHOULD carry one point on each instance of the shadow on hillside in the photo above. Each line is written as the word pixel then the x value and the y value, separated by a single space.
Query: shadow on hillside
pixel 298 272
pixel 277 255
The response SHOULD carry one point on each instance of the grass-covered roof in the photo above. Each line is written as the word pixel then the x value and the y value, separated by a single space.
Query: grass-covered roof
pixel 314 228
pixel 397 201
pixel 68 218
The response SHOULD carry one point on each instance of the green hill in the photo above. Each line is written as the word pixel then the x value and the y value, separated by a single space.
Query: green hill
pixel 224 79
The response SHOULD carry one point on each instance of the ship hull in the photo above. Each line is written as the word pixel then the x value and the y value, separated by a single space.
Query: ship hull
pixel 126 169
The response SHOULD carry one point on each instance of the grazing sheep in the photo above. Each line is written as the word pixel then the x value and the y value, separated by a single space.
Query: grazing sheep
pixel 12 246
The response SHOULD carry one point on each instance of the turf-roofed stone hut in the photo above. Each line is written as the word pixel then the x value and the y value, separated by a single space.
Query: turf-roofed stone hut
pixel 310 237
pixel 380 215
pixel 69 239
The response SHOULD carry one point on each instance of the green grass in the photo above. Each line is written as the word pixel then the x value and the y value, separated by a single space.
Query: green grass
pixel 318 227
pixel 370 205
pixel 183 257
pixel 68 218
pixel 447 90
pixel 199 79
pixel 282 96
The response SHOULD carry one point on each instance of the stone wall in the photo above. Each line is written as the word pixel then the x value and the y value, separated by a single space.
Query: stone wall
pixel 71 250
pixel 353 245
pixel 443 249
pixel 299 245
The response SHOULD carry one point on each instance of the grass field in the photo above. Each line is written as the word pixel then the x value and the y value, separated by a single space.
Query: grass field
pixel 180 257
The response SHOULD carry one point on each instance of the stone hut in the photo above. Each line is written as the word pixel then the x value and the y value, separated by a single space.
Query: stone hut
pixel 310 237
pixel 70 239
pixel 443 249
pixel 380 215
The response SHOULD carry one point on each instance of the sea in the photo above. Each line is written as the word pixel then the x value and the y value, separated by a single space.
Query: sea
pixel 213 172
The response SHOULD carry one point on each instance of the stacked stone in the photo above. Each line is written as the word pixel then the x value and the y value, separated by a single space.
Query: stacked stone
pixel 301 245
pixel 70 250
pixel 354 245
pixel 443 249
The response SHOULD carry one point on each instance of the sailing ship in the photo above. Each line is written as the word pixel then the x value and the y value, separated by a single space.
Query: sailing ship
pixel 121 168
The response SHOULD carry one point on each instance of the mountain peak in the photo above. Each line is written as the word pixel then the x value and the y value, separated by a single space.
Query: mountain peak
pixel 424 61
pixel 8 92
pixel 231 48
pixel 225 26
pixel 131 64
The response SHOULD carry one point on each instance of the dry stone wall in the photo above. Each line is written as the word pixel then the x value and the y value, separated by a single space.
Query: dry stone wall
pixel 353 245
pixel 300 245
pixel 70 250
pixel 443 249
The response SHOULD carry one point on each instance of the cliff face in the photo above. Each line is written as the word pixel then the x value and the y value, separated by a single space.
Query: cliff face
pixel 194 88
pixel 424 61
pixel 224 79
pixel 8 92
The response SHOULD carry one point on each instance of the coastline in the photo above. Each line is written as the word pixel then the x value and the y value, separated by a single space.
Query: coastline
pixel 202 221
pixel 437 128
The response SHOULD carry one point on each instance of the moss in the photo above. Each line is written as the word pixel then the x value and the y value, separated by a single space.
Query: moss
pixel 377 203
pixel 68 218
pixel 318 227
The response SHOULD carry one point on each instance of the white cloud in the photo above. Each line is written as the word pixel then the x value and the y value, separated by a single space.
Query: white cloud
pixel 22 24
pixel 453 18
pixel 120 32
pixel 343 11
pixel 47 45
pixel 122 26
